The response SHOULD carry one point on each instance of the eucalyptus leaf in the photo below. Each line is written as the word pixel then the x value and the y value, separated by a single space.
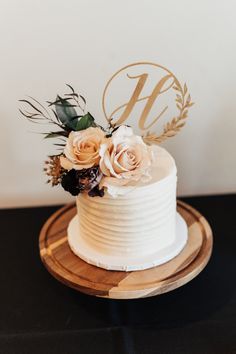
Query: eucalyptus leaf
pixel 66 113
pixel 85 122
pixel 31 104
pixel 72 95
pixel 83 99
pixel 60 145
pixel 56 134
pixel 71 88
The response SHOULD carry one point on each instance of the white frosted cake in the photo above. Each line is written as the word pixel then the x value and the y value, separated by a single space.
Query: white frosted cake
pixel 123 182
pixel 131 227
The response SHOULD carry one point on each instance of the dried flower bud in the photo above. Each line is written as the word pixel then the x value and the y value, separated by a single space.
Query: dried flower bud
pixel 54 170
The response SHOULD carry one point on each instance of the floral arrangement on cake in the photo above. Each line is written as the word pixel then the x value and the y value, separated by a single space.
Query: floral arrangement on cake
pixel 91 157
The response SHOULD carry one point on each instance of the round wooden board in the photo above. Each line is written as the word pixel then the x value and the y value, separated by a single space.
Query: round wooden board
pixel 65 266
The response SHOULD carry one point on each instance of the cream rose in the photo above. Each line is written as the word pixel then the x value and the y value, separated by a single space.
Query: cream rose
pixel 124 158
pixel 82 149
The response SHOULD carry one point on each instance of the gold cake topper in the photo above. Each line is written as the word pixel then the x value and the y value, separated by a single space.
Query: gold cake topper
pixel 165 82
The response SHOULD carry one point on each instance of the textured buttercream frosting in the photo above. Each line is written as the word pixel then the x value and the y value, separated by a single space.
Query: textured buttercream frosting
pixel 133 220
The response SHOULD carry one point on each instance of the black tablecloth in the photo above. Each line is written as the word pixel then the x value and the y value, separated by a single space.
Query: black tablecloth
pixel 40 315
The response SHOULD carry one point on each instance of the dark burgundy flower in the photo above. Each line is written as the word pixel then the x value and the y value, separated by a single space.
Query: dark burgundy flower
pixel 96 192
pixel 76 181
pixel 70 183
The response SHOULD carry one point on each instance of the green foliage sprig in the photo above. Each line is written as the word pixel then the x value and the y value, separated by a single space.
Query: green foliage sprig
pixel 63 113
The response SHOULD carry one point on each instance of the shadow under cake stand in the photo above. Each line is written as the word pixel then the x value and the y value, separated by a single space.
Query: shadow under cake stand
pixel 71 270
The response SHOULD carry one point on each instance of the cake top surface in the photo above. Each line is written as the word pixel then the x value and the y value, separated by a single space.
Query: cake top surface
pixel 163 165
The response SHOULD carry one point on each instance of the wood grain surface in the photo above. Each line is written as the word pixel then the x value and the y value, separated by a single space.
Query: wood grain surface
pixel 65 266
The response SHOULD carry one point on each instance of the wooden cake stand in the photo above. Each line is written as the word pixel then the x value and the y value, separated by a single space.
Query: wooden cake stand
pixel 65 266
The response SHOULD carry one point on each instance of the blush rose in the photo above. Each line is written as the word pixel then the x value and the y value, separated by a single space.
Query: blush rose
pixel 124 158
pixel 82 149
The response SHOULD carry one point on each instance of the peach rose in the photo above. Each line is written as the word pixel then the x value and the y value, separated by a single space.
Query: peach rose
pixel 124 158
pixel 82 149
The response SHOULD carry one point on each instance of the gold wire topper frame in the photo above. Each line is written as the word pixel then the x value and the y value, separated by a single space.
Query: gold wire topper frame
pixel 182 100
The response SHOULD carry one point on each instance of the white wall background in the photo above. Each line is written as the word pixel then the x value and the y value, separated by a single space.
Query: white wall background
pixel 45 44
